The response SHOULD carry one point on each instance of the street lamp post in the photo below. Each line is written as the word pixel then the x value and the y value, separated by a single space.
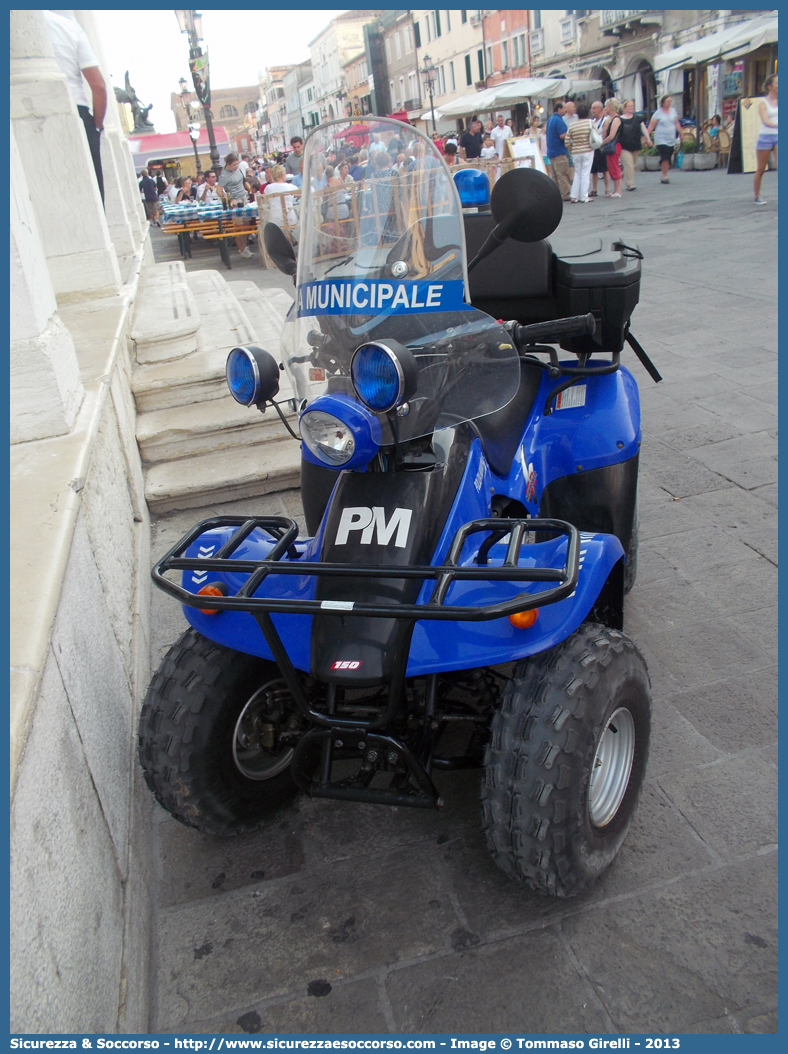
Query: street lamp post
pixel 190 22
pixel 428 72
pixel 194 126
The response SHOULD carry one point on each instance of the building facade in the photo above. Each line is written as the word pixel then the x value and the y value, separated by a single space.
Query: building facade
pixel 298 84
pixel 505 45
pixel 356 80
pixel 452 43
pixel 339 41
pixel 399 44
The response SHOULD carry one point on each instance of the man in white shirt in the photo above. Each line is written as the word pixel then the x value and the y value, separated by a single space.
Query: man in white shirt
pixel 76 60
pixel 207 192
pixel 499 134
pixel 569 113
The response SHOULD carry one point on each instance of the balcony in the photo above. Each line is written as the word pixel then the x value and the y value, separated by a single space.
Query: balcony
pixel 566 29
pixel 536 41
pixel 612 22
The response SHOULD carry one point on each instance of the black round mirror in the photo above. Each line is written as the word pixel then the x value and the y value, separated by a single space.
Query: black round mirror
pixel 528 203
pixel 279 248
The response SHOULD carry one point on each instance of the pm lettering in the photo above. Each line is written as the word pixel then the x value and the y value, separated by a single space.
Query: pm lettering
pixel 369 521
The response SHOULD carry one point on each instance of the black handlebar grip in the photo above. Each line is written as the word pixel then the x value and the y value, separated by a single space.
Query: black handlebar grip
pixel 557 329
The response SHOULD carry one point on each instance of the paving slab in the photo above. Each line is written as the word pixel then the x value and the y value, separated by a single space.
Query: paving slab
pixel 507 987
pixel 276 939
pixel 690 952
pixel 731 803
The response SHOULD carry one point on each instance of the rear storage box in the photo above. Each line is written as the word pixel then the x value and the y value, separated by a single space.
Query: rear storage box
pixel 601 276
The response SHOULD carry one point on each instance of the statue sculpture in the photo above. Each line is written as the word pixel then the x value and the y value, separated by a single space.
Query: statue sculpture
pixel 142 126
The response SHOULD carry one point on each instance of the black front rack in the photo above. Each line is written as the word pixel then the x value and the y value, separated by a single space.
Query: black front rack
pixel 284 531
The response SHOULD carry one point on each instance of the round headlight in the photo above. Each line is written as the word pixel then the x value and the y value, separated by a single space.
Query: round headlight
pixel 327 437
pixel 252 375
pixel 383 375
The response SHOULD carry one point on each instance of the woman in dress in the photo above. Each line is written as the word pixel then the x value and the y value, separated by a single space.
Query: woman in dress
pixel 612 131
pixel 767 139
pixel 579 146
pixel 665 127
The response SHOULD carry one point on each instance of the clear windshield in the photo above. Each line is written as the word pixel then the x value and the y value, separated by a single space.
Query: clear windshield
pixel 381 255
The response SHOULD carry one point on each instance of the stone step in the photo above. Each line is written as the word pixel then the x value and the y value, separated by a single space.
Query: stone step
pixel 247 471
pixel 266 310
pixel 166 318
pixel 224 324
pixel 218 424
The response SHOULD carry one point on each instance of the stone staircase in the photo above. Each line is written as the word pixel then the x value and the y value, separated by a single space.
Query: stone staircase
pixel 198 445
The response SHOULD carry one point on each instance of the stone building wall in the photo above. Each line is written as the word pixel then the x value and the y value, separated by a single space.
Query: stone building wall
pixel 80 858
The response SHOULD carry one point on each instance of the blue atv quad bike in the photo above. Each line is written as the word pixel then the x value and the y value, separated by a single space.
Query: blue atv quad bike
pixel 471 501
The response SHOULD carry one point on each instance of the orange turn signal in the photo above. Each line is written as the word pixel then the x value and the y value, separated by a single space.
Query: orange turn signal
pixel 524 619
pixel 211 591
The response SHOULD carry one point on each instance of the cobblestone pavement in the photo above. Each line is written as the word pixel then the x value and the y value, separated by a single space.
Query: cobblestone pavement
pixel 403 912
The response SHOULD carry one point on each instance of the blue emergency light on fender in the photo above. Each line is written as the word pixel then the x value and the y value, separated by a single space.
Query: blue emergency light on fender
pixel 384 374
pixel 252 375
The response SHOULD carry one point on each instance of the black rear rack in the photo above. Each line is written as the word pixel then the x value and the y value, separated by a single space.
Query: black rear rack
pixel 284 531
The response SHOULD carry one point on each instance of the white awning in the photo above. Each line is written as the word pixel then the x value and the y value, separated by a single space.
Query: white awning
pixel 729 43
pixel 510 93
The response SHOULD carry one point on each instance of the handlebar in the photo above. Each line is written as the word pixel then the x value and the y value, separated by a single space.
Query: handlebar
pixel 554 331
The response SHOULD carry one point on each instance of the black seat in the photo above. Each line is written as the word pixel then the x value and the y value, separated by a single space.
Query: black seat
pixel 500 432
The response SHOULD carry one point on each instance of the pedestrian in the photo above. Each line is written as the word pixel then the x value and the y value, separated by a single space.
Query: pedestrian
pixel 570 116
pixel 293 159
pixel 499 134
pixel 282 210
pixel 184 193
pixel 207 192
pixel 556 150
pixel 767 139
pixel 236 190
pixel 76 60
pixel 579 143
pixel 666 129
pixel 471 141
pixel 611 147
pixel 488 150
pixel 632 132
pixel 450 155
pixel 599 163
pixel 150 197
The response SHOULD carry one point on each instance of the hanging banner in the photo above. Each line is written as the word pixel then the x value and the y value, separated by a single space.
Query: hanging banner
pixel 200 71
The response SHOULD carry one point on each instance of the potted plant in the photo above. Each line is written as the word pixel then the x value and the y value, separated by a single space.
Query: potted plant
pixel 704 161
pixel 652 159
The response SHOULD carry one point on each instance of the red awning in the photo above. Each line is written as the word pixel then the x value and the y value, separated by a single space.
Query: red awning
pixel 145 148
pixel 400 115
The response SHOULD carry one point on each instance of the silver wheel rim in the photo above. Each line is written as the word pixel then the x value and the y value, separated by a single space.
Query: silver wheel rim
pixel 611 767
pixel 256 752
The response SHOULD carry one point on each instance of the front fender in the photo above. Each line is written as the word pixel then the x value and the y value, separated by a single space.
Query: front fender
pixel 443 646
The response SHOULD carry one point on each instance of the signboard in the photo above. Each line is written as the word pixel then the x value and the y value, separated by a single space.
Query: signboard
pixel 526 151
pixel 745 135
